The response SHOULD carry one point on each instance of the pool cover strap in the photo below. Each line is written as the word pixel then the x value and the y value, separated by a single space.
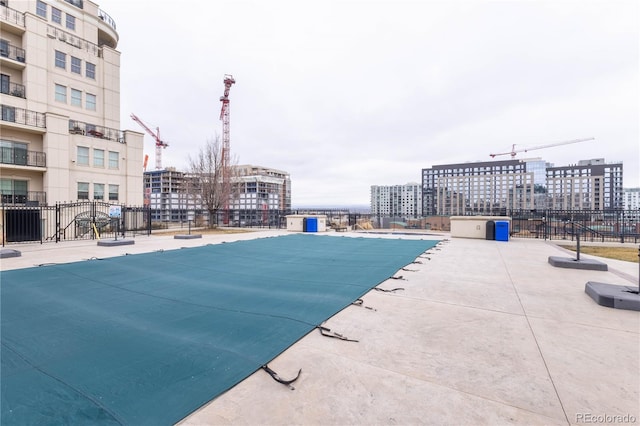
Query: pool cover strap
pixel 326 332
pixel 277 378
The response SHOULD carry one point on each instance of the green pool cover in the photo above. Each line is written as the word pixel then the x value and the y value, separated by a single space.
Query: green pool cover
pixel 149 338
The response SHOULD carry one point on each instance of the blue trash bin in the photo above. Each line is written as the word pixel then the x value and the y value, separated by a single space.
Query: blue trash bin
pixel 502 230
pixel 310 224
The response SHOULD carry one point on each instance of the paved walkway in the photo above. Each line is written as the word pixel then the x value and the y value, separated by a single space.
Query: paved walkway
pixel 483 332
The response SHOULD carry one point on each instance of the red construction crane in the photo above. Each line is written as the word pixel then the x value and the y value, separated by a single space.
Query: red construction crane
pixel 156 136
pixel 226 139
pixel 224 116
pixel 514 151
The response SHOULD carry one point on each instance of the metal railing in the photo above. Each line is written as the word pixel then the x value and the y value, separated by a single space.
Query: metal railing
pixel 101 132
pixel 83 220
pixel 22 157
pixel 12 16
pixel 593 225
pixel 12 52
pixel 14 89
pixel 23 116
pixel 106 18
pixel 33 198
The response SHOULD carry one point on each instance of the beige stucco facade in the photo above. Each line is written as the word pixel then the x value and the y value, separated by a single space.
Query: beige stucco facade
pixel 60 129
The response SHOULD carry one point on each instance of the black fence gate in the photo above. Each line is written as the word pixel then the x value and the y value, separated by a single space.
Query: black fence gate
pixel 72 221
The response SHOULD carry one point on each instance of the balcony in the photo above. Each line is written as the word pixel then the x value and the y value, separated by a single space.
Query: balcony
pixel 20 198
pixel 91 130
pixel 22 157
pixel 10 51
pixel 107 36
pixel 23 116
pixel 12 17
pixel 106 18
pixel 14 89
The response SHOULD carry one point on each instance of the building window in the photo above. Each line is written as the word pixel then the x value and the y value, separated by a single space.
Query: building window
pixel 83 156
pixel 76 65
pixel 13 152
pixel 41 9
pixel 113 160
pixel 98 191
pixel 98 158
pixel 91 70
pixel 56 15
pixel 61 60
pixel 76 97
pixel 14 191
pixel 90 102
pixel 61 93
pixel 71 22
pixel 4 48
pixel 113 192
pixel 83 190
pixel 8 113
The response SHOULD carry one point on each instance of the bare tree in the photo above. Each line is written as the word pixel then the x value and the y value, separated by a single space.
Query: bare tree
pixel 213 180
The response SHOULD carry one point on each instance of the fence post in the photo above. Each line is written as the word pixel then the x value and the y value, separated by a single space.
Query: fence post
pixel 58 222
pixel 41 225
pixel 122 220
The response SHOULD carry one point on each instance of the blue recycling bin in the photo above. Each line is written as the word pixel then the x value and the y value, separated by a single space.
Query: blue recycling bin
pixel 502 230
pixel 310 224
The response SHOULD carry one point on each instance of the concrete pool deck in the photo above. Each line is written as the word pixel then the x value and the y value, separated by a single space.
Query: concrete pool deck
pixel 483 332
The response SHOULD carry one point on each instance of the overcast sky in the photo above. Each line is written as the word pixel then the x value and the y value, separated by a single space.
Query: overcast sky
pixel 348 94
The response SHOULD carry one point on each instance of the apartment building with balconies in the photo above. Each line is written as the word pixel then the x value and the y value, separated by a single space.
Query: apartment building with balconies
pixel 258 194
pixel 588 185
pixel 60 137
pixel 631 198
pixel 397 200
pixel 483 187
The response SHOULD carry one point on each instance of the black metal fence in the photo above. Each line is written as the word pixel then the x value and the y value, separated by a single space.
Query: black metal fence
pixel 91 220
pixel 593 225
pixel 248 218
pixel 72 221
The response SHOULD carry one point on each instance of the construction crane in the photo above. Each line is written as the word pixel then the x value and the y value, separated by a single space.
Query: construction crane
pixel 224 116
pixel 156 136
pixel 514 151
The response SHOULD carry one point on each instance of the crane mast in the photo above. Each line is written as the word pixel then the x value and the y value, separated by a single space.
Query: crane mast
pixel 514 151
pixel 156 136
pixel 224 116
